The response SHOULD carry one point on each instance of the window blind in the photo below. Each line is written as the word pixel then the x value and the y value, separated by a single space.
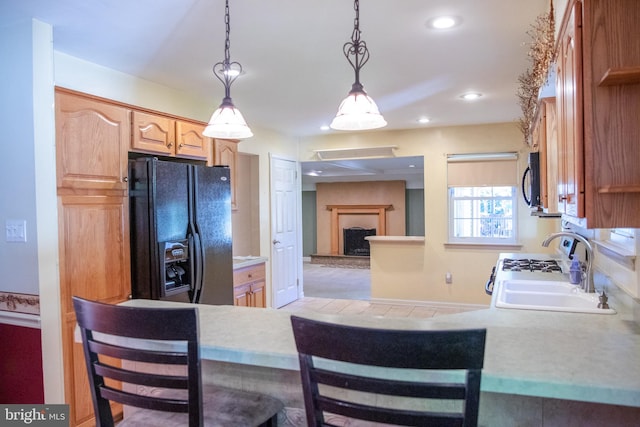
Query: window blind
pixel 482 169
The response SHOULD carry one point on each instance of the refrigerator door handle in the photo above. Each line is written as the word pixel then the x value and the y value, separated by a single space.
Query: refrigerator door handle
pixel 199 267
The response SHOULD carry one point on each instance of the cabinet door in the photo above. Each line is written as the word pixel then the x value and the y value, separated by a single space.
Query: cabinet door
pixel 546 135
pixel 225 153
pixel 153 134
pixel 241 295
pixel 191 142
pixel 94 264
pixel 258 295
pixel 91 143
pixel 570 126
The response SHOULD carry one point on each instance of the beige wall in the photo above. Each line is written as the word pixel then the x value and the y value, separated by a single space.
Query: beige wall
pixel 418 272
pixel 358 193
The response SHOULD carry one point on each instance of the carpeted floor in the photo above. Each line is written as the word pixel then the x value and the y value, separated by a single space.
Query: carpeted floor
pixel 321 281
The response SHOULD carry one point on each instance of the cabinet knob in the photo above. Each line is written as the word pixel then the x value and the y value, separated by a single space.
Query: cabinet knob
pixel 169 145
pixel 125 179
pixel 562 198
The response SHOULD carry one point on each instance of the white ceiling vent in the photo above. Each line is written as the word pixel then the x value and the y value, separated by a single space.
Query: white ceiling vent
pixel 356 153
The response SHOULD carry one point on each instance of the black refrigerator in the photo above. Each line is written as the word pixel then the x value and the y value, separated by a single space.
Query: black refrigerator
pixel 180 226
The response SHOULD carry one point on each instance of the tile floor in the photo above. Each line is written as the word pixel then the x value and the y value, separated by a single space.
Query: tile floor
pixel 324 288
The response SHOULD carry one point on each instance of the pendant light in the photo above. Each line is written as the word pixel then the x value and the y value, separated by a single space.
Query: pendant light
pixel 227 121
pixel 357 111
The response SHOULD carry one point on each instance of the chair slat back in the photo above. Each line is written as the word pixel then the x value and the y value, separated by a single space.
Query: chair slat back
pixel 415 350
pixel 176 327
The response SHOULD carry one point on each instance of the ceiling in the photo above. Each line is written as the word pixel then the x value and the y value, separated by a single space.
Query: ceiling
pixel 408 169
pixel 291 51
pixel 295 74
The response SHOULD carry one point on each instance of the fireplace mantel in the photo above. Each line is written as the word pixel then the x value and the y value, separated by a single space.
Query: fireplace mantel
pixel 337 210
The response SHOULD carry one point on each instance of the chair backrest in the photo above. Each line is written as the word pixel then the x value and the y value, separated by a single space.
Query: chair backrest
pixel 179 326
pixel 335 388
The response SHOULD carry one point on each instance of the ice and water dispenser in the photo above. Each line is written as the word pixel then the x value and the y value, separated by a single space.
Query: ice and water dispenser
pixel 178 275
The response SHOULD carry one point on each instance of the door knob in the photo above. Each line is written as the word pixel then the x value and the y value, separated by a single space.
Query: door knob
pixel 275 242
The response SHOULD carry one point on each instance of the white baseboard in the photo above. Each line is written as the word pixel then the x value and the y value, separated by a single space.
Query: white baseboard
pixel 428 303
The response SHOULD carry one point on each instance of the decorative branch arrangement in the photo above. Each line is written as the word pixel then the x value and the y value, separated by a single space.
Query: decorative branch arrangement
pixel 541 54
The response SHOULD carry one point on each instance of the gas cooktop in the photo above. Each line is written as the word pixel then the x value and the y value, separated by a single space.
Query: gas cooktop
pixel 528 264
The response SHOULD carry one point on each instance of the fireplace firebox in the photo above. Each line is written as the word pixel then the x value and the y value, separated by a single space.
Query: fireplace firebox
pixel 355 242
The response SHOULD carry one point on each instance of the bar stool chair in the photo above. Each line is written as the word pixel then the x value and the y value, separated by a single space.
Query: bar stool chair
pixel 397 377
pixel 112 334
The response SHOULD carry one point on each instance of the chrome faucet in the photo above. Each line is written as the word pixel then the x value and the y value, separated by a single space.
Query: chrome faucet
pixel 587 285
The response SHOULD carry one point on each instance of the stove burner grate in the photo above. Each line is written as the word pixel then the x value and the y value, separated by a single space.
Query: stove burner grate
pixel 544 266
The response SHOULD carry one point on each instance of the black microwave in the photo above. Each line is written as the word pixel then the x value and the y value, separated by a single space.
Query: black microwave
pixel 531 181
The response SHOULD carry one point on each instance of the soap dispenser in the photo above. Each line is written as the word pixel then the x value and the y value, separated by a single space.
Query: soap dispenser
pixel 575 272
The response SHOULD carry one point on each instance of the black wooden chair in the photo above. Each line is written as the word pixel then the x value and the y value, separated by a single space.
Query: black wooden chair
pixel 399 367
pixel 170 400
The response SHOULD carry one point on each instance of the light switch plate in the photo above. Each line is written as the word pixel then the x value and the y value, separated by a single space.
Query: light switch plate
pixel 16 230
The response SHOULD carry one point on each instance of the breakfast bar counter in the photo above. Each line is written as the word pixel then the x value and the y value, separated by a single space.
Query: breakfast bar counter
pixel 542 362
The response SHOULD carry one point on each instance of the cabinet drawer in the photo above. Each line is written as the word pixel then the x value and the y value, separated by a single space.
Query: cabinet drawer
pixel 248 274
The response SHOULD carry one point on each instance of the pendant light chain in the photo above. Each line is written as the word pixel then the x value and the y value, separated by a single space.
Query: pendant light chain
pixel 227 42
pixel 355 36
pixel 356 47
pixel 227 71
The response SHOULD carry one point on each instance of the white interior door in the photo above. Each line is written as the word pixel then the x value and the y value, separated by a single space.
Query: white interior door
pixel 285 255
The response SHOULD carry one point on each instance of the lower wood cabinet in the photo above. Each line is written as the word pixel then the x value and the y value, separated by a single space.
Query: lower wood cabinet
pixel 249 286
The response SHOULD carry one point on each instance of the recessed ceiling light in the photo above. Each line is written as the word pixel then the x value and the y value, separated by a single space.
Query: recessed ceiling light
pixel 424 120
pixel 443 22
pixel 470 96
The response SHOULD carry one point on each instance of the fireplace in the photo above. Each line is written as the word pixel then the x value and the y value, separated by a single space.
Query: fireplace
pixel 379 212
pixel 354 240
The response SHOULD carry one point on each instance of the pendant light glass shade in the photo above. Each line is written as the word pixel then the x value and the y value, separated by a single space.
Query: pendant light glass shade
pixel 227 123
pixel 358 112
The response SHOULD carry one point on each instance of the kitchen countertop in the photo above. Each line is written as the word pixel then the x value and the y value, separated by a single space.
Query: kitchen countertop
pixel 583 357
pixel 247 261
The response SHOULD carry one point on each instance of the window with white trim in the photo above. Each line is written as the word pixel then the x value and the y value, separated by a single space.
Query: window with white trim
pixel 483 198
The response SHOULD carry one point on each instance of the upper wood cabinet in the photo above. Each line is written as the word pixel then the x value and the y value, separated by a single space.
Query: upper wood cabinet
pixel 92 140
pixel 545 139
pixel 225 153
pixel 570 109
pixel 163 135
pixel 598 93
